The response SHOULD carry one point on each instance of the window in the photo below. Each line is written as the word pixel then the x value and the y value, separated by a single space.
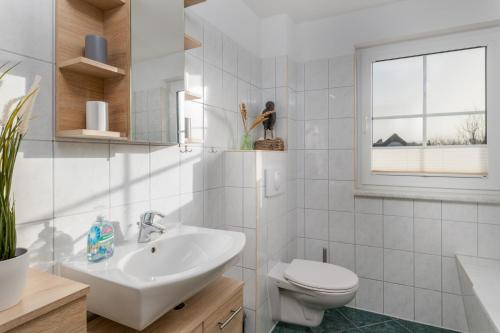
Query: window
pixel 429 113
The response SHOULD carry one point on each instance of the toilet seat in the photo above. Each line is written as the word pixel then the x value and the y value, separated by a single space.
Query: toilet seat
pixel 321 277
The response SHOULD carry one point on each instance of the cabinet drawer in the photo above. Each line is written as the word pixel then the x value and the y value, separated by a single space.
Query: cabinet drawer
pixel 228 318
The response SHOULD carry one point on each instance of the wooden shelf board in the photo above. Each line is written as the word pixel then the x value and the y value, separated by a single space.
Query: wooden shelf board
pixel 106 4
pixel 189 96
pixel 190 42
pixel 91 67
pixel 90 134
pixel 189 3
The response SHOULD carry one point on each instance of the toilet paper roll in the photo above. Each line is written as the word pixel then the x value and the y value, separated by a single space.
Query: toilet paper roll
pixel 97 116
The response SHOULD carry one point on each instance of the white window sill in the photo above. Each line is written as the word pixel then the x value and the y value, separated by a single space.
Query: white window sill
pixel 428 194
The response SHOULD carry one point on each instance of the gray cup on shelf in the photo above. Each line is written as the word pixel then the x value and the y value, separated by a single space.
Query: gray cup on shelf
pixel 96 48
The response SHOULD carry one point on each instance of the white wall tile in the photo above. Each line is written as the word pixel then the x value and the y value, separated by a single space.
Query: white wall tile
pixel 341 195
pixel 229 55
pixel 37 237
pixel 233 169
pixel 316 104
pixel 427 209
pixel 33 182
pixel 451 282
pixel 28 28
pixel 316 134
pixel 427 236
pixel 233 204
pixel 192 208
pixel 341 165
pixel 488 213
pixel 229 92
pixel 249 295
pixel 214 168
pixel 342 71
pixel 399 301
pixel 369 262
pixel 342 133
pixel 342 227
pixel 316 194
pixel 458 211
pixel 398 233
pixel 369 230
pixel 165 172
pixel 250 251
pixel 282 72
pixel 249 208
pixel 88 191
pixel 427 271
pixel 316 75
pixel 269 72
pixel 192 171
pixel 454 313
pixel 398 267
pixel 316 164
pixel 343 255
pixel 428 306
pixel 370 295
pixel 314 249
pixel 459 238
pixel 369 205
pixel 212 44
pixel 129 174
pixel 20 78
pixel 398 207
pixel 212 77
pixel 341 102
pixel 316 225
pixel 488 241
pixel 214 208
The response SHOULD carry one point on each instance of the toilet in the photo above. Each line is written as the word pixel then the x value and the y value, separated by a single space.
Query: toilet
pixel 301 291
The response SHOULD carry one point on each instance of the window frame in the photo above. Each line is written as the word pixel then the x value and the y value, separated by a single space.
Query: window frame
pixel 450 185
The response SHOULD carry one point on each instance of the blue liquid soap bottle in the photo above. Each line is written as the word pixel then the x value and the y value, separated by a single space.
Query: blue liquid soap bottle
pixel 100 240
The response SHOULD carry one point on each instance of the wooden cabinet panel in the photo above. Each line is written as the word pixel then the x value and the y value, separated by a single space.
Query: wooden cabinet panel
pixel 227 318
pixel 68 318
pixel 198 329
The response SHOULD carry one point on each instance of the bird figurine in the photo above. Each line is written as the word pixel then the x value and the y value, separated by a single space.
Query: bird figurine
pixel 271 119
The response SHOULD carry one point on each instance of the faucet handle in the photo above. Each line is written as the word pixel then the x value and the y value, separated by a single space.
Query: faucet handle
pixel 149 216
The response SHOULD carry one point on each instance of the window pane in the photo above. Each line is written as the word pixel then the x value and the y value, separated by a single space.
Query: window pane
pixel 398 87
pixel 397 132
pixel 456 130
pixel 456 81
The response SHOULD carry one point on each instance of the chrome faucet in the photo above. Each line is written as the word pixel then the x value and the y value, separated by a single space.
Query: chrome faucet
pixel 148 226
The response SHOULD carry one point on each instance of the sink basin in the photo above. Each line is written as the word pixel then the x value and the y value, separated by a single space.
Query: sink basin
pixel 141 282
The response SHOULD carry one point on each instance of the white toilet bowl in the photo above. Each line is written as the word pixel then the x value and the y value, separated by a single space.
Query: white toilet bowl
pixel 301 291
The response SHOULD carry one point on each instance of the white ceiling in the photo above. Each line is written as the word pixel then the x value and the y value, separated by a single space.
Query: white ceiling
pixel 307 10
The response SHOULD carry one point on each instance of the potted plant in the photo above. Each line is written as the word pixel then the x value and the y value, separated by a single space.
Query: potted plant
pixel 246 139
pixel 13 261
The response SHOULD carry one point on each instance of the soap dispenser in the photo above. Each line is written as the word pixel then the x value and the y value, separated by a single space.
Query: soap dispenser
pixel 100 240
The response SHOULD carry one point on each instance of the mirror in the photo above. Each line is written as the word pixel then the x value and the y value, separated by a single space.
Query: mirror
pixel 157 28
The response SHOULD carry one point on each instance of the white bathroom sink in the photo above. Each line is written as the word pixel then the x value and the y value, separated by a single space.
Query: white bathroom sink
pixel 141 282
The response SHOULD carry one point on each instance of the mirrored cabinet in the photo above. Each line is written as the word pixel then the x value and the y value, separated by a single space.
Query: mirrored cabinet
pixel 122 62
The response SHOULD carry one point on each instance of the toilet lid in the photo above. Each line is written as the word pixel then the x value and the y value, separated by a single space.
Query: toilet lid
pixel 320 276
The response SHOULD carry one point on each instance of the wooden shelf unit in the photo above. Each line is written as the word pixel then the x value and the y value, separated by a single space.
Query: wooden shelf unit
pixel 189 3
pixel 189 96
pixel 91 67
pixel 106 4
pixel 190 42
pixel 90 134
pixel 79 79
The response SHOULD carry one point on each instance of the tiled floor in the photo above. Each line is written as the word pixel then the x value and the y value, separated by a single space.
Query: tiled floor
pixel 350 320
